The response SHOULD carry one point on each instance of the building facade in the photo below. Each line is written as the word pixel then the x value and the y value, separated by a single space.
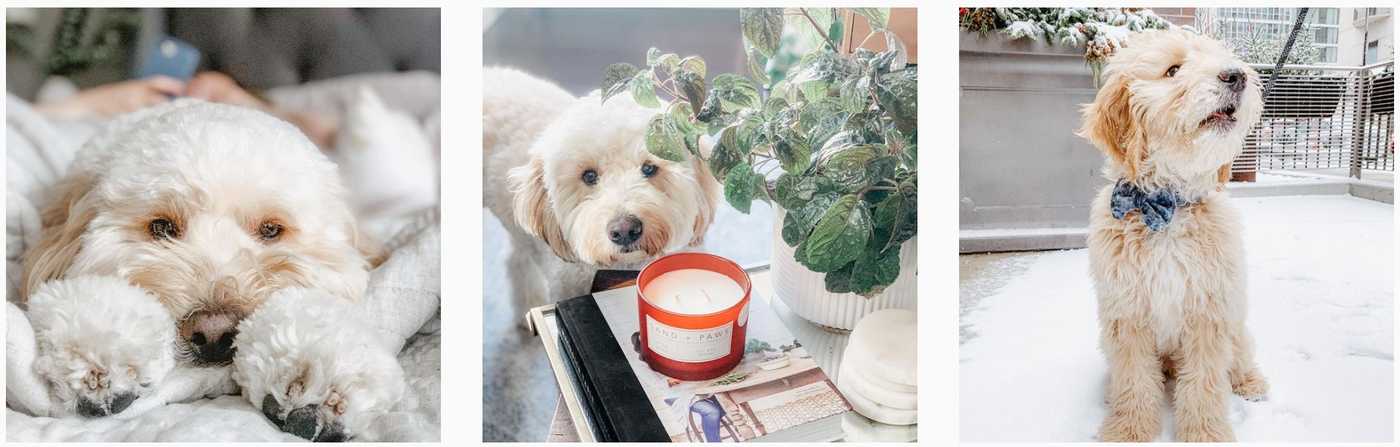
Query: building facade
pixel 1343 36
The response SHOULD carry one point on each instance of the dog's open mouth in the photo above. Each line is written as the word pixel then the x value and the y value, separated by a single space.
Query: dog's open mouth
pixel 1223 118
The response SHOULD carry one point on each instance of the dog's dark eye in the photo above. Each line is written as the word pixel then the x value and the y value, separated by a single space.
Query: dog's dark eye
pixel 1171 71
pixel 648 169
pixel 162 228
pixel 270 231
pixel 590 177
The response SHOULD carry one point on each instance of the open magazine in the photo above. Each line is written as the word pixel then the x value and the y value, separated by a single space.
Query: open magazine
pixel 777 392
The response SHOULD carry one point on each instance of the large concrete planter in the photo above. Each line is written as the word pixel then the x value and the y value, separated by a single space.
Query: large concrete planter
pixel 1020 165
pixel 804 291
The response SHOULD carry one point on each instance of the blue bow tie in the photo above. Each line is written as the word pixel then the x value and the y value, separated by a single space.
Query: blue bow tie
pixel 1157 207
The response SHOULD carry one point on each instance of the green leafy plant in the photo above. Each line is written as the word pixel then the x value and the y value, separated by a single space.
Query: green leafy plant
pixel 831 139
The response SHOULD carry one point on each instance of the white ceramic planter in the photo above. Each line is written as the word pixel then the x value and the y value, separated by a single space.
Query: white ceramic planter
pixel 804 291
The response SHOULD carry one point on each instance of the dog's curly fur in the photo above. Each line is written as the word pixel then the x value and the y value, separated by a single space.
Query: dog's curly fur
pixel 102 342
pixel 539 140
pixel 315 367
pixel 1172 302
pixel 209 210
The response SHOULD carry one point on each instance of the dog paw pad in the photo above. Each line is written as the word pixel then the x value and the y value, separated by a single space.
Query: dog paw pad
pixel 336 403
pixel 96 379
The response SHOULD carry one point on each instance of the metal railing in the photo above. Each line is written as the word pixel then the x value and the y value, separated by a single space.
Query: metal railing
pixel 1324 117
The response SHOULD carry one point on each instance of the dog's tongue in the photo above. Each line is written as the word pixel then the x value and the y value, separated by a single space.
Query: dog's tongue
pixel 1219 115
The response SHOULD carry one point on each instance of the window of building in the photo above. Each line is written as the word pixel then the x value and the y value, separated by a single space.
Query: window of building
pixel 1372 49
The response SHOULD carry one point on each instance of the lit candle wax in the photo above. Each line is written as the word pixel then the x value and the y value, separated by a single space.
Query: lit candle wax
pixel 693 291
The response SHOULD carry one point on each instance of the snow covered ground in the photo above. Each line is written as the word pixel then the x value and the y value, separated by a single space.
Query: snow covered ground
pixel 1321 300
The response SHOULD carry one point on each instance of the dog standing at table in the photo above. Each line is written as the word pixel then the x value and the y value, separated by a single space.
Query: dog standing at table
pixel 1164 242
pixel 573 183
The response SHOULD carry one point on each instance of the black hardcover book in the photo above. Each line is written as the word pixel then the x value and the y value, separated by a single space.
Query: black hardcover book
pixel 611 392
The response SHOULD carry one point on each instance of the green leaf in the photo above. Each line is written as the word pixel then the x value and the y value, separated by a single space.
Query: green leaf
pixel 833 32
pixel 756 64
pixel 839 236
pixel 874 270
pixel 793 153
pixel 653 56
pixel 735 92
pixel 849 167
pixel 644 90
pixel 790 190
pixel 740 187
pixel 906 223
pixel 810 197
pixel 692 86
pixel 878 17
pixel 899 97
pixel 726 153
pixel 839 281
pixel 821 120
pixel 664 140
pixel 694 64
pixel 855 94
pixel 710 110
pixel 616 79
pixel 774 106
pixel 763 27
pixel 669 60
pixel 900 56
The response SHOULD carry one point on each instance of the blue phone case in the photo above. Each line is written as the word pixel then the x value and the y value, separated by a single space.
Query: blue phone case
pixel 168 56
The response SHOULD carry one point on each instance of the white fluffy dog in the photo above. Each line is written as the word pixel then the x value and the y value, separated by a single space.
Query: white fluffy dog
pixel 211 209
pixel 1164 242
pixel 573 182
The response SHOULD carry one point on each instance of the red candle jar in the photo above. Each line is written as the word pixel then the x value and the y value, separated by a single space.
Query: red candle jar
pixel 693 323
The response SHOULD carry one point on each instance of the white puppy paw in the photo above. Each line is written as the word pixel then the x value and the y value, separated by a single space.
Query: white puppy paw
pixel 315 368
pixel 102 343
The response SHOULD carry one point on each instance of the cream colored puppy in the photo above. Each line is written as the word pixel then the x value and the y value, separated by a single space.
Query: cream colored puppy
pixel 1164 241
pixel 210 209
pixel 573 182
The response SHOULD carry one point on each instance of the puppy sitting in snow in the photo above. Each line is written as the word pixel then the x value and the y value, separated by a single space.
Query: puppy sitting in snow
pixel 209 210
pixel 1164 242
pixel 576 188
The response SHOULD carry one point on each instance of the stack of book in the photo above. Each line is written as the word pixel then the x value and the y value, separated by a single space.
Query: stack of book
pixel 776 393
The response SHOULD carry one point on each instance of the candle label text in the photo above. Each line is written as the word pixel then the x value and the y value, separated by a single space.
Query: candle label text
pixel 689 345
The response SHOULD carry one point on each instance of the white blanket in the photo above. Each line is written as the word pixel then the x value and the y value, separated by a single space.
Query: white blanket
pixel 403 295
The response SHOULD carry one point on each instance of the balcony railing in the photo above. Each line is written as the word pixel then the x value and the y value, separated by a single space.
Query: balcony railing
pixel 1324 117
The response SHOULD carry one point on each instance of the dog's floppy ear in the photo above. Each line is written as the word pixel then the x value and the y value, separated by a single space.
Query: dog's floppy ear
pixel 1224 176
pixel 709 194
pixel 65 220
pixel 532 208
pixel 1110 124
pixel 372 250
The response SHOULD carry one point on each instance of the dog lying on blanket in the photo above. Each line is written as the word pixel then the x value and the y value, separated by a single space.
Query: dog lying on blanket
pixel 235 226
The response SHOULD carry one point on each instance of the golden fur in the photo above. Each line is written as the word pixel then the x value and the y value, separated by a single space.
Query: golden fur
pixel 1172 302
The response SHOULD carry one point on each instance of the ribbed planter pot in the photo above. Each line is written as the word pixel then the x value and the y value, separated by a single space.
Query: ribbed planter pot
pixel 804 291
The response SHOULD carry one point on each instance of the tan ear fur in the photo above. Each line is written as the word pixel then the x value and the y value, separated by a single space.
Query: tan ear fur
pixel 532 208
pixel 1224 176
pixel 709 188
pixel 64 220
pixel 1110 124
pixel 372 250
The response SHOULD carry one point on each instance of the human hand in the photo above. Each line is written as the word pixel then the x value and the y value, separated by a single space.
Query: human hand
pixel 109 100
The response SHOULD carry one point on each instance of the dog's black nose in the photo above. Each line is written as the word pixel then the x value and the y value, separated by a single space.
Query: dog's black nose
pixel 213 348
pixel 1234 77
pixel 625 230
pixel 210 335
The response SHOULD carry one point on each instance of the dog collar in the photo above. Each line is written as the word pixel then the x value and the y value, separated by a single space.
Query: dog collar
pixel 1157 207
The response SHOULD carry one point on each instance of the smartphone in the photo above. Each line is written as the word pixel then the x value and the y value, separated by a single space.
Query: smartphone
pixel 168 56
